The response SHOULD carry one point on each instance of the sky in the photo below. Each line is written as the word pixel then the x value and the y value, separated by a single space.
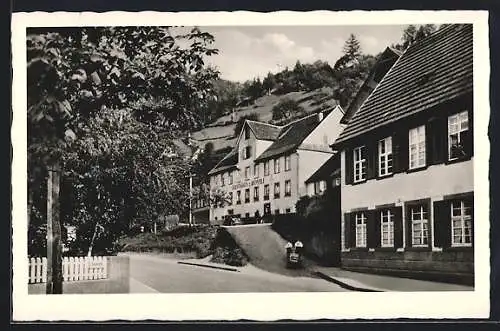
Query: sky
pixel 247 52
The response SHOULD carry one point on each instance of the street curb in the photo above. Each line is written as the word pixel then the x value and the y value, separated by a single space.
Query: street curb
pixel 209 266
pixel 342 284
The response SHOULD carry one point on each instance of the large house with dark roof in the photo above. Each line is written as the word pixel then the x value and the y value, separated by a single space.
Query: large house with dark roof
pixel 266 171
pixel 407 165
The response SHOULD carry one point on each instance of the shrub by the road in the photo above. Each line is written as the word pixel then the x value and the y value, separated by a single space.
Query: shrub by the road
pixel 227 251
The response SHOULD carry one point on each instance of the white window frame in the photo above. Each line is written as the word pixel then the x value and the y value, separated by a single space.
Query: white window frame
pixel 359 164
pixel 288 163
pixel 423 221
pixel 247 172
pixel 256 196
pixel 230 179
pixel 416 148
pixel 288 188
pixel 268 189
pixel 361 235
pixel 385 157
pixel 247 190
pixel 277 190
pixel 266 167
pixel 256 170
pixel 238 197
pixel 462 218
pixel 386 227
pixel 277 166
pixel 455 129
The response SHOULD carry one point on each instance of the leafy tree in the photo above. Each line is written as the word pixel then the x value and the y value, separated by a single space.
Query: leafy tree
pixel 286 109
pixel 413 33
pixel 114 89
pixel 352 48
pixel 269 83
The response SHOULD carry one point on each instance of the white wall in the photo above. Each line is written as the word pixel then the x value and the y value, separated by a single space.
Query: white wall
pixel 309 162
pixel 329 127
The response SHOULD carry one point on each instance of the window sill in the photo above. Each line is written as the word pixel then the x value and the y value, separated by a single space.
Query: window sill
pixel 359 249
pixel 380 177
pixel 359 182
pixel 409 171
pixel 462 159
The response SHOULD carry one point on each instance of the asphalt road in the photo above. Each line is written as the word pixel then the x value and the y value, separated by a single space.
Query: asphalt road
pixel 167 276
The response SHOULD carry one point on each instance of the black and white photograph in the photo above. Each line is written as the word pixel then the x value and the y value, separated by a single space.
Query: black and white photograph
pixel 315 162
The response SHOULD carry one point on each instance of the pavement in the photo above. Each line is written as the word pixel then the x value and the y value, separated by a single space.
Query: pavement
pixel 166 275
pixel 358 281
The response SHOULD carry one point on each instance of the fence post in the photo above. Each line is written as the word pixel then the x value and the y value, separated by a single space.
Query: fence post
pixel 38 275
pixel 44 270
pixel 32 270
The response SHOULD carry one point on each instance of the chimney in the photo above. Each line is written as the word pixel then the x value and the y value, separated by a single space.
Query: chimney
pixel 320 116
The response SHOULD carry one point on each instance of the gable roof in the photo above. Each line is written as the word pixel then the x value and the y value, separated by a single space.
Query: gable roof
pixel 433 70
pixel 228 162
pixel 264 131
pixel 384 62
pixel 327 169
pixel 291 136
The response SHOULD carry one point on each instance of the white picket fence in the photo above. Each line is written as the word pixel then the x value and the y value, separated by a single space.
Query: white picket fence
pixel 73 268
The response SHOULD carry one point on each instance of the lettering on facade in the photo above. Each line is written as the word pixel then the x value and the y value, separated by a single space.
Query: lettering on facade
pixel 248 183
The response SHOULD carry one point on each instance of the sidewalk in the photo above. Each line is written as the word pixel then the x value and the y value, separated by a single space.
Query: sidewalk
pixel 371 282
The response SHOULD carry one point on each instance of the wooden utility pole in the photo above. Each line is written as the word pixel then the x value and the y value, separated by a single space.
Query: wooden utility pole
pixel 190 199
pixel 54 246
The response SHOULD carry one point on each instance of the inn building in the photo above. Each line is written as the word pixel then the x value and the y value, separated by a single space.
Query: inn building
pixel 406 155
pixel 266 171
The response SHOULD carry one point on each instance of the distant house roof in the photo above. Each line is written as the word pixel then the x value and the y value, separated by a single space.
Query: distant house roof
pixel 327 169
pixel 431 71
pixel 264 131
pixel 291 136
pixel 228 162
pixel 384 62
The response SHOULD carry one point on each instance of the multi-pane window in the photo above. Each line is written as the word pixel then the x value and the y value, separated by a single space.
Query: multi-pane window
pixel 276 190
pixel 461 223
pixel 256 170
pixel 247 195
pixel 360 219
pixel 276 166
pixel 266 168
pixel 319 187
pixel 238 197
pixel 419 226
pixel 288 163
pixel 266 192
pixel 385 156
pixel 230 199
pixel 247 172
pixel 458 125
pixel 416 147
pixel 230 178
pixel 359 159
pixel 247 152
pixel 256 193
pixel 288 188
pixel 386 228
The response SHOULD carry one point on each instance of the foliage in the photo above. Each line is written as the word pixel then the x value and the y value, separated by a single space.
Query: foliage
pixel 413 33
pixel 106 103
pixel 227 251
pixel 287 108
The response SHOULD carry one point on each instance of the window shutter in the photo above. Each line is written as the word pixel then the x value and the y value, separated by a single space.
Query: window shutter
pixel 347 230
pixel 371 228
pixel 469 137
pixel 398 226
pixel 376 228
pixel 470 200
pixel 437 140
pixel 408 226
pixel 371 155
pixel 352 231
pixel 442 224
pixel 348 166
pixel 400 151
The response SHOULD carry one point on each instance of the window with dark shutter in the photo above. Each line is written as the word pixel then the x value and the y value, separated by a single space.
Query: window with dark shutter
pixel 373 231
pixel 352 230
pixel 398 226
pixel 436 139
pixel 347 230
pixel 442 224
pixel 400 151
pixel 348 166
pixel 371 157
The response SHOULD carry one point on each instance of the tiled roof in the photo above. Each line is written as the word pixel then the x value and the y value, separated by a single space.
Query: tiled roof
pixel 327 169
pixel 431 71
pixel 291 136
pixel 264 131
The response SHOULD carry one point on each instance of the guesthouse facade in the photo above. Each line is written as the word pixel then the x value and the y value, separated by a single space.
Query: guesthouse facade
pixel 265 173
pixel 407 193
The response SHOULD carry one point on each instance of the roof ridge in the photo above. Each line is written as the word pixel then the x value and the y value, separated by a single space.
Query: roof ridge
pixel 259 122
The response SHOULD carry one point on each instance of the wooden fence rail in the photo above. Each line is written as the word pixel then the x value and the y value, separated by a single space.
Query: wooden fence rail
pixel 73 268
